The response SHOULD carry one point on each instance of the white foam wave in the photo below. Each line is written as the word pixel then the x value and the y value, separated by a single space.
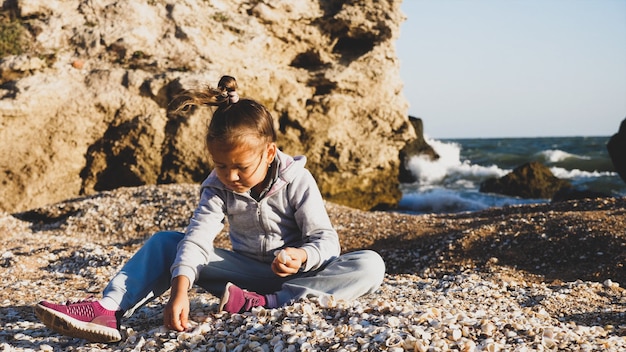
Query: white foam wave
pixel 439 201
pixel 449 169
pixel 576 173
pixel 556 155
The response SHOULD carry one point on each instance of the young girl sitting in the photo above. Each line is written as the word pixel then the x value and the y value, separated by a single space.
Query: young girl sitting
pixel 284 246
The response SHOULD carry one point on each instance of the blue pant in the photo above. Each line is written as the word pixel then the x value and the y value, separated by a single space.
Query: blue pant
pixel 147 275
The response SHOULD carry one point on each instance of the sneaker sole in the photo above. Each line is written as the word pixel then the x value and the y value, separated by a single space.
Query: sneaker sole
pixel 69 326
pixel 225 296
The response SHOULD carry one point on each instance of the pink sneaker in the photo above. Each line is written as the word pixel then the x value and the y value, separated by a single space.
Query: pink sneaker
pixel 85 319
pixel 237 300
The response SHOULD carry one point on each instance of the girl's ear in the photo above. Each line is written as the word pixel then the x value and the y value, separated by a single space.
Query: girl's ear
pixel 271 153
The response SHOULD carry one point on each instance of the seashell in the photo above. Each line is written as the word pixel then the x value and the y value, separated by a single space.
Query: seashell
pixel 548 342
pixel 327 301
pixel 488 328
pixel 393 321
pixel 307 309
pixel 542 313
pixel 420 346
pixel 547 333
pixel 362 341
pixel 292 339
pixel 343 329
pixel 409 343
pixel 422 317
pixel 440 345
pixel 202 329
pixel 282 256
pixel 138 346
pixel 287 328
pixel 434 312
pixel 394 340
pixel 262 314
pixel 456 334
pixel 608 283
pixel 489 345
pixel 327 334
pixel 468 346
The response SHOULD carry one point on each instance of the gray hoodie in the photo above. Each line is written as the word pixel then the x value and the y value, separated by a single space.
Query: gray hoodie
pixel 291 214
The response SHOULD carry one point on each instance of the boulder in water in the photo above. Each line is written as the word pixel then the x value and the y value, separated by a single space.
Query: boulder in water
pixel 531 180
pixel 414 147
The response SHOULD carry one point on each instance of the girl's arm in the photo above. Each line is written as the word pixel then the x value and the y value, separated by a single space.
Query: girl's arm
pixel 197 245
pixel 176 313
pixel 320 240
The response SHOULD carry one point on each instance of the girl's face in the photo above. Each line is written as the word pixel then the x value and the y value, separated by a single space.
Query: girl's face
pixel 242 167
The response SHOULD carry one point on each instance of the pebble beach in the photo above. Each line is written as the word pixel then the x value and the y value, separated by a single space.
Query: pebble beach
pixel 521 278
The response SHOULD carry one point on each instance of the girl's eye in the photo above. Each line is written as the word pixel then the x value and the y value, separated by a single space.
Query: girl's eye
pixel 240 168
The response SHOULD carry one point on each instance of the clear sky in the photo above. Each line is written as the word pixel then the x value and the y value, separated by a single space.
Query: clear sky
pixel 514 68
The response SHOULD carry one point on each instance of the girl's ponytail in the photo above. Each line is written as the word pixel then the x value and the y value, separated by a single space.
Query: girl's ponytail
pixel 223 96
pixel 235 119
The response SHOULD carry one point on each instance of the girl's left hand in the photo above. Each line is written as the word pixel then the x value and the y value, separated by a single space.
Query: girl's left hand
pixel 293 259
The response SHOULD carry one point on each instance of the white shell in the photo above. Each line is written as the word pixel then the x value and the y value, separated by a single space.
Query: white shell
pixel 283 257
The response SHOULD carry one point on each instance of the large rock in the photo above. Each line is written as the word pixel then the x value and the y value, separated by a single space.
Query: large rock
pixel 84 109
pixel 617 150
pixel 530 180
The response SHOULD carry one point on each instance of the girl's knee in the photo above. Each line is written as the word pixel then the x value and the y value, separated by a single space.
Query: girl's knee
pixel 370 264
pixel 165 238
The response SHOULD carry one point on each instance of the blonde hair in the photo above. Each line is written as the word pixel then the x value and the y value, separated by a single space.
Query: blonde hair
pixel 234 119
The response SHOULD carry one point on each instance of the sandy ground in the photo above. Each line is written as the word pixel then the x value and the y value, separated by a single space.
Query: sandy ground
pixel 574 250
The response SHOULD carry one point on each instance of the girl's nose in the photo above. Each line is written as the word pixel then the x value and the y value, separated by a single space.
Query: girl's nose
pixel 233 175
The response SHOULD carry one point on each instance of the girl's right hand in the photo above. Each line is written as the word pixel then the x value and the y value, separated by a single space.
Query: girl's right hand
pixel 288 261
pixel 176 313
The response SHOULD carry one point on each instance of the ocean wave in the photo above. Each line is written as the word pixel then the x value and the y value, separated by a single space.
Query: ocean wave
pixel 558 158
pixel 576 173
pixel 451 183
pixel 557 155
pixel 449 169
pixel 441 200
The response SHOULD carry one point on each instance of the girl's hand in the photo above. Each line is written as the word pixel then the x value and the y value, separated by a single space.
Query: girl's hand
pixel 176 313
pixel 288 261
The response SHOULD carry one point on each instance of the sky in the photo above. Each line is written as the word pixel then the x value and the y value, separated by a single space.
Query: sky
pixel 514 68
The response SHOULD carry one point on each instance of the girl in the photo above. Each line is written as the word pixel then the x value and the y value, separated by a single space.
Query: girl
pixel 272 205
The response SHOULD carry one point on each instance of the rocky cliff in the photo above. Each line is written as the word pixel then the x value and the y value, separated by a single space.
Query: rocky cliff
pixel 83 101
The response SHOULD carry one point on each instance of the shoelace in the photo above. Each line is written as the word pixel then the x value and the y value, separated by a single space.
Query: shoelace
pixel 252 300
pixel 82 308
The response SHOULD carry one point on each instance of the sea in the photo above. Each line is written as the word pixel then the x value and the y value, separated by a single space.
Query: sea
pixel 451 184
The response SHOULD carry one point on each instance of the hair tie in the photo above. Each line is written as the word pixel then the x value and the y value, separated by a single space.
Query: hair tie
pixel 233 97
